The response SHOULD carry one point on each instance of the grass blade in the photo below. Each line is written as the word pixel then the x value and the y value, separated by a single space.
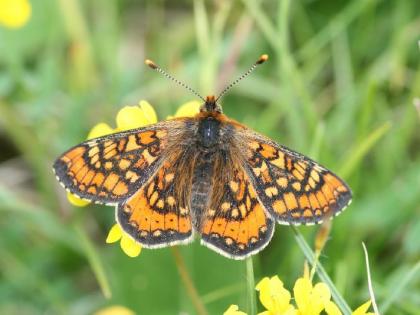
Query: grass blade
pixel 362 149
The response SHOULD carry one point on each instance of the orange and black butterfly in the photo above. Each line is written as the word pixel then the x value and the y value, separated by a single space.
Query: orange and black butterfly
pixel 208 175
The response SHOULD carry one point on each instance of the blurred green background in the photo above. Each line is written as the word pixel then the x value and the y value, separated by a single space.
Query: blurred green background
pixel 340 86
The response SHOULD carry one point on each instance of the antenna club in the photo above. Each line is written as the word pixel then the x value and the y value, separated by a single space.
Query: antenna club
pixel 151 64
pixel 262 59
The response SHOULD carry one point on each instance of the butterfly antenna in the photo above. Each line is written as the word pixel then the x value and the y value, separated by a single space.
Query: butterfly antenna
pixel 260 60
pixel 154 66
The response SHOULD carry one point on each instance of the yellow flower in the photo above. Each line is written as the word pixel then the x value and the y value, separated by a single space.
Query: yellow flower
pixel 131 117
pixel 332 309
pixel 128 245
pixel 76 201
pixel 362 309
pixel 234 310
pixel 274 297
pixel 99 130
pixel 310 300
pixel 115 310
pixel 188 109
pixel 14 13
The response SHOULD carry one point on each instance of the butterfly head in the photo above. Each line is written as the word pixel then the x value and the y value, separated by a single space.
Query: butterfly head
pixel 210 105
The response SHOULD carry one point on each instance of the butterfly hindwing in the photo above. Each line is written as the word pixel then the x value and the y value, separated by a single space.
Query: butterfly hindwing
pixel 158 214
pixel 292 187
pixel 235 224
pixel 111 168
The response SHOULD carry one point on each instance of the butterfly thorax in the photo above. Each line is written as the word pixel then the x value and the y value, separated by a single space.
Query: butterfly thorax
pixel 209 124
pixel 208 132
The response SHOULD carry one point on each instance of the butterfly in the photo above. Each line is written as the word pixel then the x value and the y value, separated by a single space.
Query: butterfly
pixel 207 175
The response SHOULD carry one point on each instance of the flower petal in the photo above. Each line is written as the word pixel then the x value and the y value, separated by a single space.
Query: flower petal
pixel 114 310
pixel 321 292
pixel 234 310
pixel 319 297
pixel 276 283
pixel 114 234
pixel 148 111
pixel 99 130
pixel 76 201
pixel 129 246
pixel 131 117
pixel 332 309
pixel 362 309
pixel 291 311
pixel 273 296
pixel 15 13
pixel 263 284
pixel 189 109
pixel 265 295
pixel 302 293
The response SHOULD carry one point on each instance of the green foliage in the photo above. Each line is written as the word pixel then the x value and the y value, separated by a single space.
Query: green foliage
pixel 339 86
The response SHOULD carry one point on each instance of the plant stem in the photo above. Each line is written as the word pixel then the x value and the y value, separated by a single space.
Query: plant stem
pixel 250 287
pixel 189 285
pixel 94 260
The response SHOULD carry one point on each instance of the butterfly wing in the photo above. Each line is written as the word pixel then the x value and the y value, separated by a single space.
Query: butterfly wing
pixel 292 187
pixel 158 214
pixel 109 169
pixel 234 224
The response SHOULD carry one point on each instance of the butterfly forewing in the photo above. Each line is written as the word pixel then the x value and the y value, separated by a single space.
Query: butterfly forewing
pixel 109 169
pixel 292 187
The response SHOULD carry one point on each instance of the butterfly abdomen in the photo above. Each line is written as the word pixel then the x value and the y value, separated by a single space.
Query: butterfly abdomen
pixel 201 188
